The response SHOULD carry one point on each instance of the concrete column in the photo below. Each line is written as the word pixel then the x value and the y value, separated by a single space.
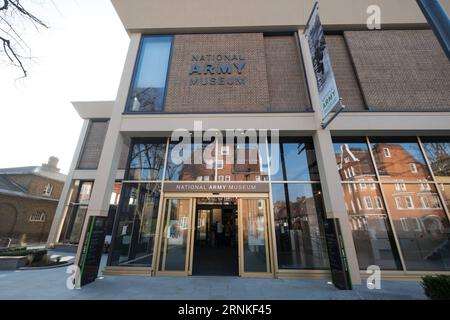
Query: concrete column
pixel 112 147
pixel 66 193
pixel 333 195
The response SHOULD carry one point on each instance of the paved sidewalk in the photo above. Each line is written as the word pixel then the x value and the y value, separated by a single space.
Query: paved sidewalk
pixel 50 284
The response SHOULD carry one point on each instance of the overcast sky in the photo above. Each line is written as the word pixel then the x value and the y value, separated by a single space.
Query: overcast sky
pixel 80 57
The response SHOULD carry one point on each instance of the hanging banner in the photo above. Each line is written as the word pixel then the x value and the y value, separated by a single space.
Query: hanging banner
pixel 326 83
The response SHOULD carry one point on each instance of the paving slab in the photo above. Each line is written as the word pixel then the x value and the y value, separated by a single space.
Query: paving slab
pixel 50 284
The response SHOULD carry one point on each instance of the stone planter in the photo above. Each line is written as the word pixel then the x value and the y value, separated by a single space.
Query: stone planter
pixel 12 263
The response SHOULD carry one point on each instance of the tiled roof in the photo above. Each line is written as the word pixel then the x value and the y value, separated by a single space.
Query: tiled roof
pixel 36 170
pixel 8 185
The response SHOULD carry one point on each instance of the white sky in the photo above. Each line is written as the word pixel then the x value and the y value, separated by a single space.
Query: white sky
pixel 80 57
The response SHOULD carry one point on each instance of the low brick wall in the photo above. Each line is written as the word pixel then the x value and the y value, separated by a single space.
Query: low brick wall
pixel 12 263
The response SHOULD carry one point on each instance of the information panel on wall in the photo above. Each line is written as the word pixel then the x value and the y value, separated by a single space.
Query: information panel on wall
pixel 323 70
pixel 336 254
pixel 93 245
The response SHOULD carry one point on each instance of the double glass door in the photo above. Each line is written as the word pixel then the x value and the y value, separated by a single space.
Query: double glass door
pixel 177 237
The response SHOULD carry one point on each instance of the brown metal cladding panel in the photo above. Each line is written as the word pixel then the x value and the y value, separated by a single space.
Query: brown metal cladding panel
pixel 93 145
pixel 183 97
pixel 285 75
pixel 344 73
pixel 401 70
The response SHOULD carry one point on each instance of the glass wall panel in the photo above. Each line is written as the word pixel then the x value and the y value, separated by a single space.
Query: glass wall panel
pixel 399 159
pixel 147 160
pixel 191 162
pixel 298 226
pixel 372 235
pixel 135 225
pixel 254 235
pixel 149 84
pixel 175 234
pixel 293 159
pixel 437 151
pixel 242 162
pixel 353 159
pixel 421 225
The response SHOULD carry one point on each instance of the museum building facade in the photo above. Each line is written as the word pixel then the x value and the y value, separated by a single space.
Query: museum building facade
pixel 213 161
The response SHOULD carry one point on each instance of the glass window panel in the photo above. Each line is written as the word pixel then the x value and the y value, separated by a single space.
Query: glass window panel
pixel 242 162
pixel 175 235
pixel 422 229
pixel 147 160
pixel 85 192
pixel 195 163
pixel 78 215
pixel 254 235
pixel 406 161
pixel 148 89
pixel 372 235
pixel 136 225
pixel 353 159
pixel 293 159
pixel 437 151
pixel 298 226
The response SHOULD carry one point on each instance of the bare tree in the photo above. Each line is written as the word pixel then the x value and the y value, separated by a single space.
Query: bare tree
pixel 13 48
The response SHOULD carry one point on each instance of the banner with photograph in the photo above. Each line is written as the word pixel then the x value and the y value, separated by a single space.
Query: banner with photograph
pixel 326 83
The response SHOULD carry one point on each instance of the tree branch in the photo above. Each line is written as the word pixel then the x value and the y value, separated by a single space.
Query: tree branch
pixel 12 55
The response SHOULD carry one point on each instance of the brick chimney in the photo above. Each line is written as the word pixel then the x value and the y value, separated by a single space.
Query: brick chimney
pixel 51 165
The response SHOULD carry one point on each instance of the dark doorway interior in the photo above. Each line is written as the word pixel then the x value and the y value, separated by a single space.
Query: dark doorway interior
pixel 215 244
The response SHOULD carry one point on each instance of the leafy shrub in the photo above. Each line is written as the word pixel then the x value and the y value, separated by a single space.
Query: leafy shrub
pixel 437 287
pixel 32 254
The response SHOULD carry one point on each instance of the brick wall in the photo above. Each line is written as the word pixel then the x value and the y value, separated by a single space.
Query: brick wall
pixel 252 96
pixel 285 75
pixel 344 73
pixel 15 214
pixel 401 70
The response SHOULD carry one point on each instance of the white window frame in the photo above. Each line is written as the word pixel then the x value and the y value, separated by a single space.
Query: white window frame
pixel 413 167
pixel 38 216
pixel 404 223
pixel 386 152
pixel 378 202
pixel 353 206
pixel 424 202
pixel 368 202
pixel 398 203
pixel 209 163
pixel 410 203
pixel 48 190
pixel 219 164
pixel 358 202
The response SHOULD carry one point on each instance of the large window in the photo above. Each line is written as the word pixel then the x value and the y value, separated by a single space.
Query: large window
pixel 147 160
pixel 149 83
pixel 410 220
pixel 295 185
pixel 298 226
pixel 135 225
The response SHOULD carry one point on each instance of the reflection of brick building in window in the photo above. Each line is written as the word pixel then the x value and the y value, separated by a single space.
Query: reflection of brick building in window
pixel 233 164
pixel 414 205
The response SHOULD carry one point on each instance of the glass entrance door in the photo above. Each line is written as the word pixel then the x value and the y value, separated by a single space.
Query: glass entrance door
pixel 254 247
pixel 174 251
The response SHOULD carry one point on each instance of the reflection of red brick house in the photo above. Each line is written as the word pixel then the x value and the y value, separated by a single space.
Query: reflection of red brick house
pixel 415 208
pixel 231 166
pixel 28 200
